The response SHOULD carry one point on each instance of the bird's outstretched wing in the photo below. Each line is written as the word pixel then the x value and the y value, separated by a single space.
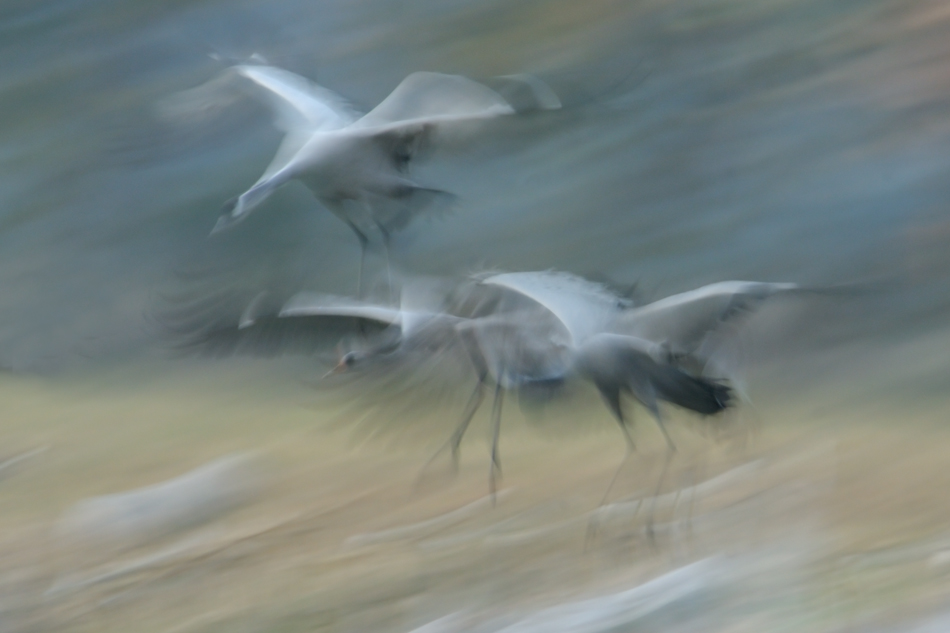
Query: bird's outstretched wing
pixel 276 175
pixel 585 308
pixel 414 314
pixel 425 97
pixel 297 103
pixel 225 321
pixel 301 108
pixel 701 325
pixel 304 304
pixel 685 320
pixel 428 104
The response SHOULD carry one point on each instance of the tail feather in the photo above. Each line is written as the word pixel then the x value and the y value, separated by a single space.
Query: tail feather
pixel 644 370
pixel 701 395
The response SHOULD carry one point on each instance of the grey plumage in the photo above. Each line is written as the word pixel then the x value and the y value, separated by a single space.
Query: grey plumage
pixel 618 363
pixel 700 326
pixel 614 363
pixel 535 332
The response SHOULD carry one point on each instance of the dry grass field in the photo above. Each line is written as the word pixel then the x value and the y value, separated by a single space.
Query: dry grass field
pixel 831 520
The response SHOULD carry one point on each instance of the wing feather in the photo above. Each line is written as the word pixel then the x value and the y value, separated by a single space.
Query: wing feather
pixel 425 97
pixel 298 103
pixel 585 308
pixel 684 320
pixel 317 304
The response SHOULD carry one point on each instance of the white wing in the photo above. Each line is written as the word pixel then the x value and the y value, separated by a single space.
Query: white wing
pixel 610 340
pixel 584 307
pixel 421 299
pixel 301 109
pixel 277 174
pixel 299 104
pixel 684 320
pixel 316 304
pixel 425 97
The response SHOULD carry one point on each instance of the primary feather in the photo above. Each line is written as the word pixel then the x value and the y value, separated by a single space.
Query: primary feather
pixel 584 308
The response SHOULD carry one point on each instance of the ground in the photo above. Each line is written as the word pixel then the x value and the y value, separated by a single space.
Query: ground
pixel 829 516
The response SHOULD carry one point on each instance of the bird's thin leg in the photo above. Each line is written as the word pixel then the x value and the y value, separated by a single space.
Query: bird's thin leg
pixel 669 441
pixel 594 524
pixel 692 501
pixel 363 242
pixel 474 402
pixel 671 450
pixel 612 399
pixel 630 450
pixel 455 441
pixel 389 275
pixel 496 427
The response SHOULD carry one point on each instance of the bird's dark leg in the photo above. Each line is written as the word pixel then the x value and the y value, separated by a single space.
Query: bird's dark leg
pixel 692 499
pixel 363 242
pixel 669 441
pixel 671 450
pixel 389 275
pixel 496 427
pixel 611 397
pixel 455 441
pixel 474 402
pixel 477 359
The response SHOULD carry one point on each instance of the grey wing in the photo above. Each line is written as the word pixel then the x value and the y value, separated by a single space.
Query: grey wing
pixel 301 109
pixel 421 301
pixel 684 321
pixel 404 125
pixel 425 107
pixel 585 308
pixel 304 304
pixel 225 321
pixel 426 97
pixel 421 333
pixel 278 173
pixel 702 326
pixel 297 103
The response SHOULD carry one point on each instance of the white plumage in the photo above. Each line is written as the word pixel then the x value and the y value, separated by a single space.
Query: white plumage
pixel 355 165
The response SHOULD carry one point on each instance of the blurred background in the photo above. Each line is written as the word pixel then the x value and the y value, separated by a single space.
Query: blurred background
pixel 700 140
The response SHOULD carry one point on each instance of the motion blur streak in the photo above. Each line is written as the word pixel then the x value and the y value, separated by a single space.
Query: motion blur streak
pixel 698 141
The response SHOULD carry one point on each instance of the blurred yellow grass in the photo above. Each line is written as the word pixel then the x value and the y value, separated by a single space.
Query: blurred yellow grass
pixel 282 563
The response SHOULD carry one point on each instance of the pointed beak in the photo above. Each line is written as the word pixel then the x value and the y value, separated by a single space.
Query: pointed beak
pixel 339 369
pixel 224 222
pixel 228 217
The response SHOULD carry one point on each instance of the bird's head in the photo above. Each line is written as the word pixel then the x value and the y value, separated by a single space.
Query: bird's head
pixel 232 212
pixel 346 361
pixel 349 359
